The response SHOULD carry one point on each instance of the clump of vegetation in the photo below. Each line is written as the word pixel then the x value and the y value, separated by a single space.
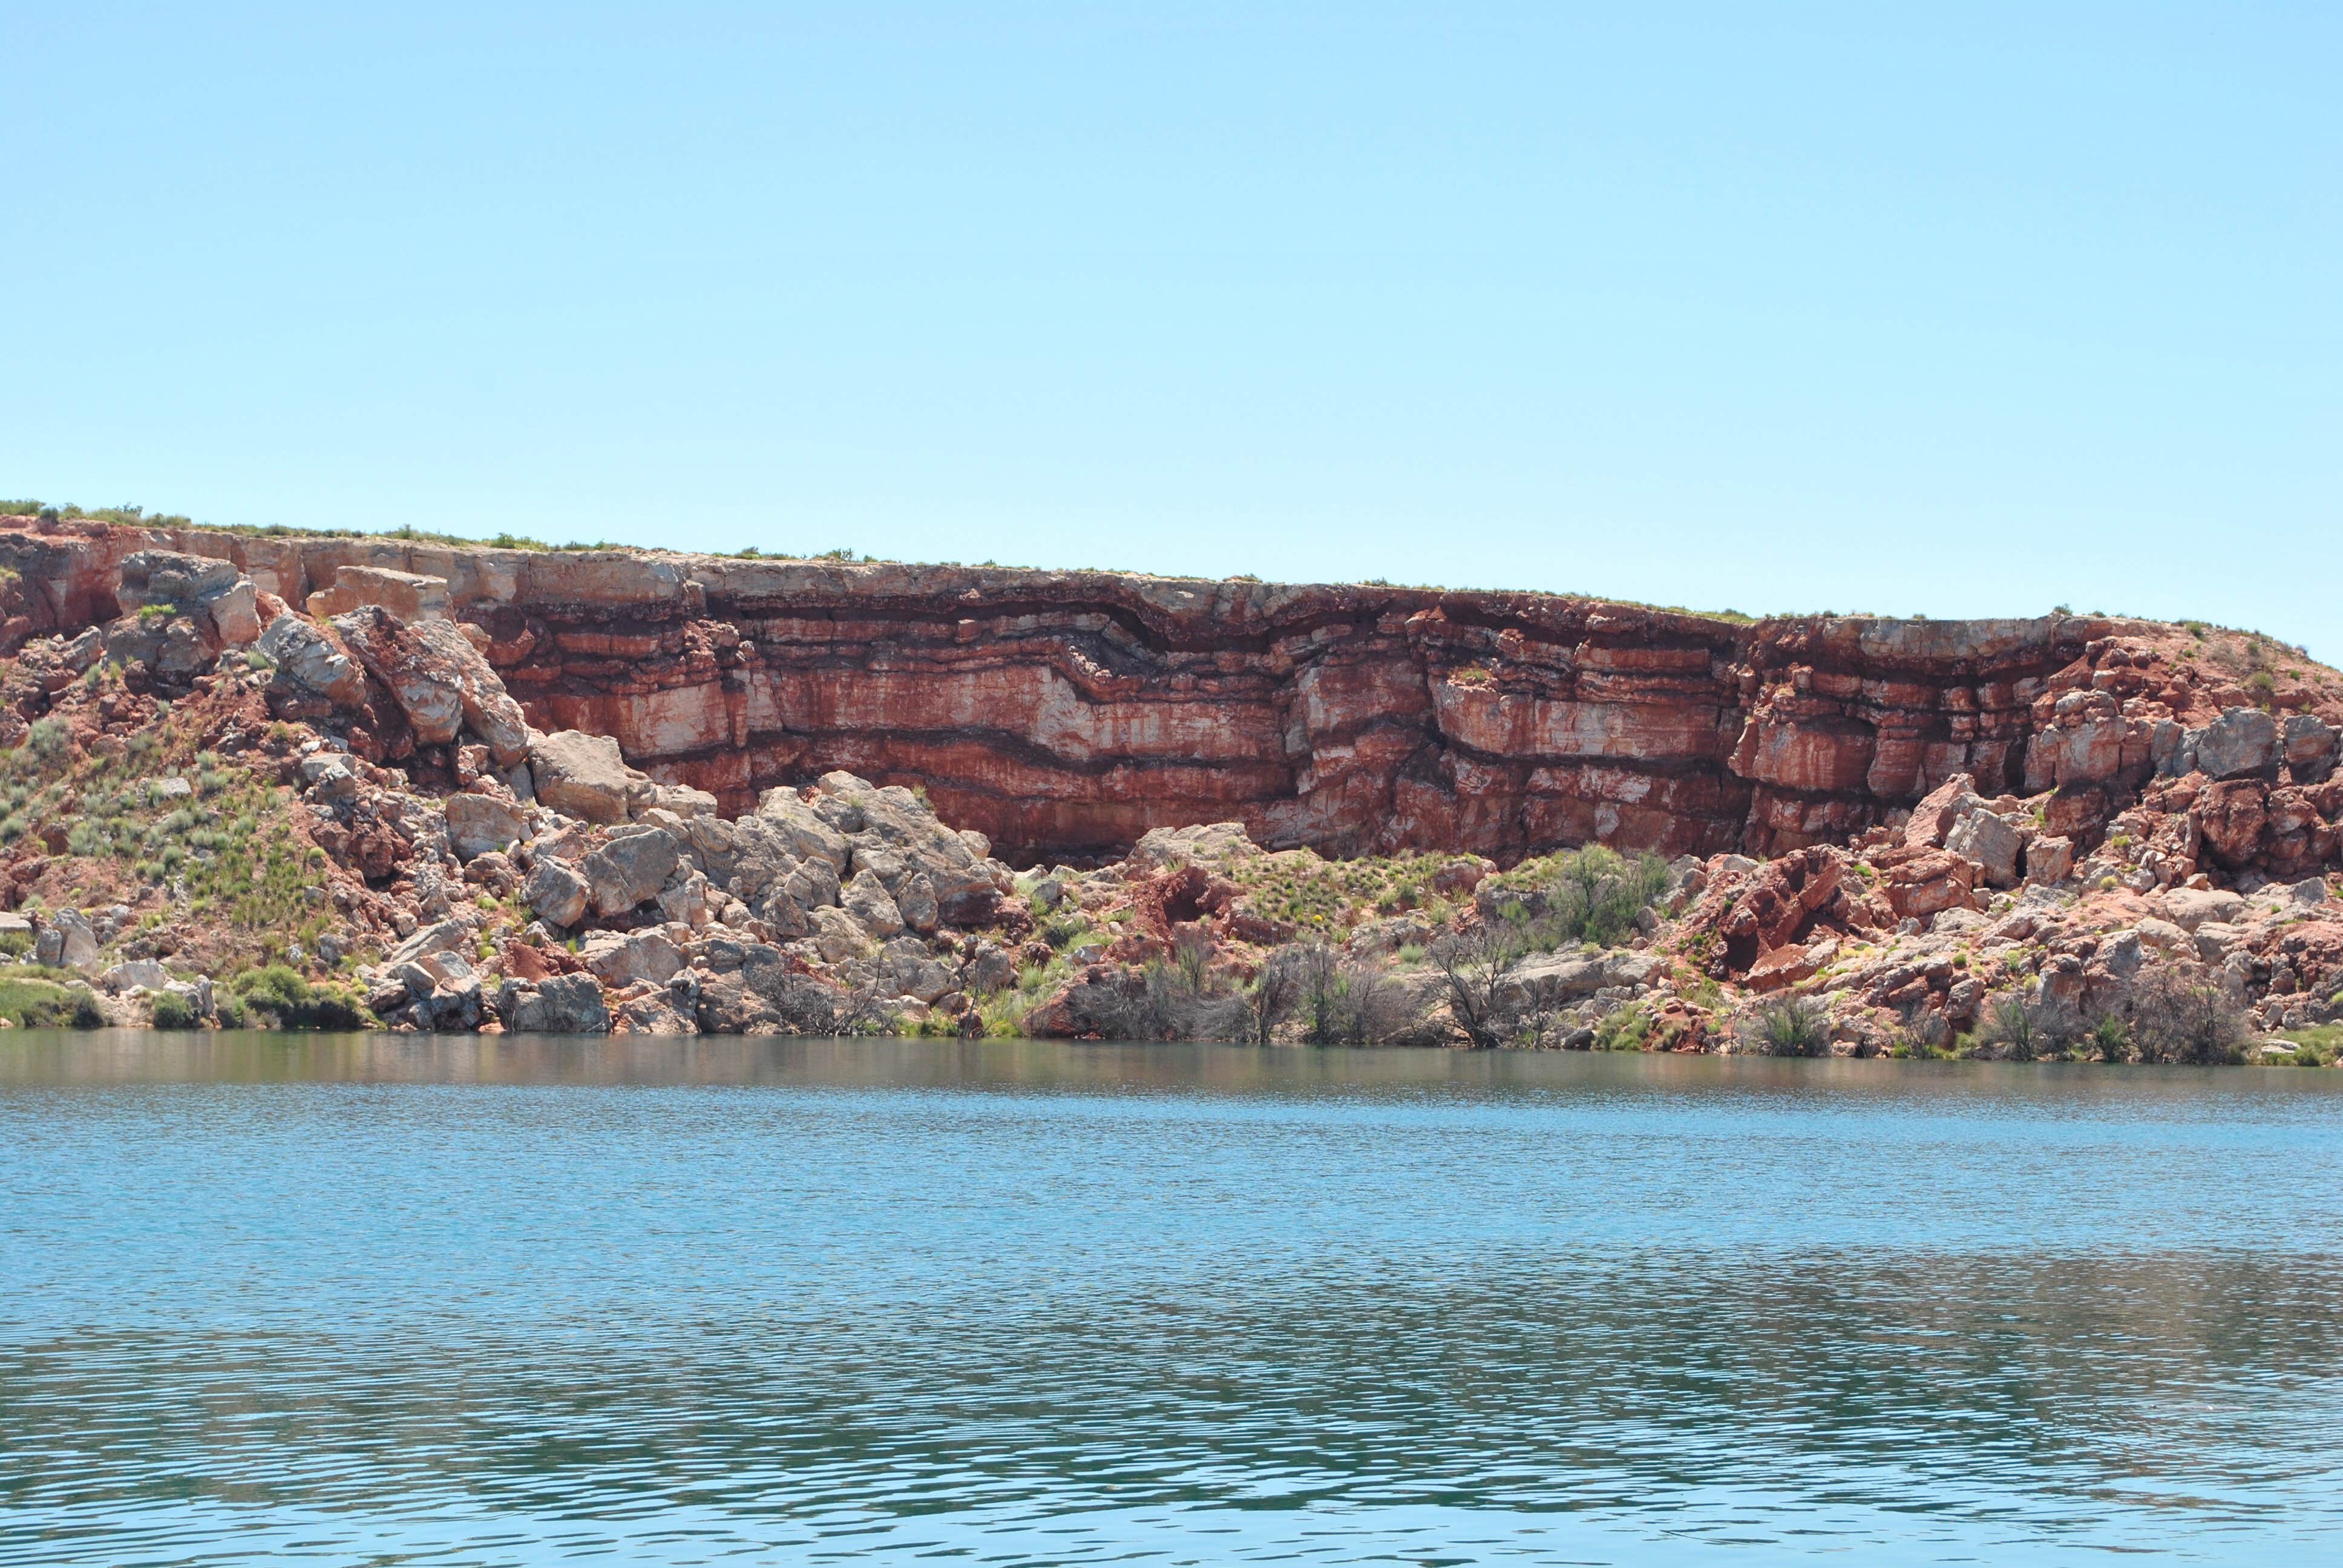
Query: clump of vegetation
pixel 172 1010
pixel 1590 895
pixel 45 1004
pixel 281 998
pixel 2179 1015
pixel 2012 1029
pixel 1789 1025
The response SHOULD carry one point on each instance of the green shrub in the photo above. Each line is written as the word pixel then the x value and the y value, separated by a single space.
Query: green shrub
pixel 172 1011
pixel 48 738
pixel 45 1004
pixel 1791 1026
pixel 1625 1028
pixel 278 995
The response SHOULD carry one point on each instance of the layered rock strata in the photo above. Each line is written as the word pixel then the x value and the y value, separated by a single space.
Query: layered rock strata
pixel 1065 713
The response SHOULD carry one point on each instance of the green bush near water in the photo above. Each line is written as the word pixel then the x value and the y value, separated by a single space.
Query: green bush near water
pixel 279 996
pixel 45 1004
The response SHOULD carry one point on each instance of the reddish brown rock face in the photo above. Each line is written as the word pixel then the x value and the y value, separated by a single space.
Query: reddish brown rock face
pixel 1066 713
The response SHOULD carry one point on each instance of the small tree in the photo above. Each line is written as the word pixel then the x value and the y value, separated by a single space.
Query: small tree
pixel 1474 960
pixel 2178 1014
pixel 2012 1025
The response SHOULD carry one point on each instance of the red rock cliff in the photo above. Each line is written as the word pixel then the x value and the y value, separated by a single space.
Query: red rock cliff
pixel 1068 712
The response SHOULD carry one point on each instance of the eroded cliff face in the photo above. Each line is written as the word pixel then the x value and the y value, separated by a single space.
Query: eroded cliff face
pixel 1067 713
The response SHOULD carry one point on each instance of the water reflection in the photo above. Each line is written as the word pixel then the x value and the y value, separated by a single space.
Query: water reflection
pixel 371 1299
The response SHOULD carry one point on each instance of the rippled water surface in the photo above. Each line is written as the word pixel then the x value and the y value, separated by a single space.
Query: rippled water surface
pixel 406 1300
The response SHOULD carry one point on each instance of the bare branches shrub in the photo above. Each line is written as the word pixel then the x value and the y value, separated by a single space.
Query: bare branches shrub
pixel 2179 1013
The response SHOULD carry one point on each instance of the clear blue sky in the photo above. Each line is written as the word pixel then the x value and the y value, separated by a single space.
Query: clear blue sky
pixel 1953 310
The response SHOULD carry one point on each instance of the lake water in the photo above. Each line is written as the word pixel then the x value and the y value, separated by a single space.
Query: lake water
pixel 377 1300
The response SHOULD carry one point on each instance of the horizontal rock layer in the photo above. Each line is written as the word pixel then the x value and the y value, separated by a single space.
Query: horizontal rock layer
pixel 1067 713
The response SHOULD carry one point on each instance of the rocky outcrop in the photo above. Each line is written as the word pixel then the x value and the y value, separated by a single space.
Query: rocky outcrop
pixel 1071 713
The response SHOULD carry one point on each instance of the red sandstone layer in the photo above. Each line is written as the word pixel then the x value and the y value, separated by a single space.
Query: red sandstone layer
pixel 1066 713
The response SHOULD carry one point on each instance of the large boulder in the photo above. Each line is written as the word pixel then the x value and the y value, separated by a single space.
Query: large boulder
pixel 897 822
pixel 866 899
pixel 762 994
pixel 480 823
pixel 629 869
pixel 308 661
pixel 489 711
pixel 1937 812
pixel 2309 747
pixel 801 829
pixel 586 776
pixel 210 590
pixel 410 595
pixel 2049 858
pixel 68 942
pixel 1990 840
pixel 143 973
pixel 1212 845
pixel 558 1004
pixel 419 676
pixel 1920 883
pixel 556 891
pixel 621 959
pixel 2242 741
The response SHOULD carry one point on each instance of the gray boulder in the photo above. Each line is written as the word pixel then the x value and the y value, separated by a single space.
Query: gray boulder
pixel 866 899
pixel 557 890
pixel 619 958
pixel 2309 746
pixel 68 942
pixel 2242 741
pixel 895 822
pixel 629 869
pixel 801 829
pixel 144 973
pixel 209 589
pixel 1992 841
pixel 417 675
pixel 444 937
pixel 480 823
pixel 307 660
pixel 560 1004
pixel 585 775
pixel 488 709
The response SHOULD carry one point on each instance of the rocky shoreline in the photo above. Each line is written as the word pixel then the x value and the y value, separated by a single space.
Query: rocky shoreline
pixel 225 807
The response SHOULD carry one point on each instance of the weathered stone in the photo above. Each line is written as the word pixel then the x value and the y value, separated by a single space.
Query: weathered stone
pixel 442 936
pixel 2309 747
pixel 410 596
pixel 866 899
pixel 489 711
pixel 67 942
pixel 2242 741
pixel 1923 882
pixel 1211 844
pixel 837 935
pixel 2191 908
pixel 310 660
pixel 1992 841
pixel 1934 817
pixel 620 959
pixel 584 776
pixel 556 891
pixel 480 823
pixel 629 869
pixel 418 676
pixel 802 829
pixel 2049 858
pixel 142 972
pixel 560 1004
